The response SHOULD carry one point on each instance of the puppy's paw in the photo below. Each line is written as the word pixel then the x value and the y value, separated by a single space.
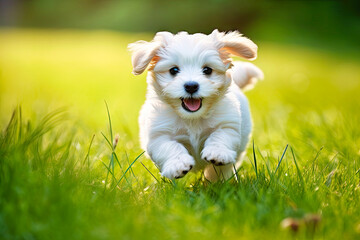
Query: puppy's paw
pixel 178 167
pixel 218 156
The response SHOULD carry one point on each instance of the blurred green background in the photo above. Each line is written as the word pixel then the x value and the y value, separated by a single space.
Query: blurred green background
pixel 319 23
pixel 72 54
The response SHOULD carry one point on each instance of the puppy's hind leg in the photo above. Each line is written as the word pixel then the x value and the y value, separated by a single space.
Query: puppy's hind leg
pixel 215 173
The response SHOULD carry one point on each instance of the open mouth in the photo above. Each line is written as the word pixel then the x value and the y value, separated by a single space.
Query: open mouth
pixel 191 104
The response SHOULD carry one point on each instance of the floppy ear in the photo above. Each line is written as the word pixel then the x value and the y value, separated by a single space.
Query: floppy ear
pixel 234 43
pixel 144 53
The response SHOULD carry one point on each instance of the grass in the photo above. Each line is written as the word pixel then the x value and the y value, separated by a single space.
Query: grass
pixel 62 176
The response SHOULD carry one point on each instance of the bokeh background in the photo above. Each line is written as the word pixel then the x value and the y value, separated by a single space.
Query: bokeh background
pixel 319 23
pixel 72 54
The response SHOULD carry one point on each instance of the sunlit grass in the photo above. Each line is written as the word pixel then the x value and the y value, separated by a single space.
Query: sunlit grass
pixel 62 176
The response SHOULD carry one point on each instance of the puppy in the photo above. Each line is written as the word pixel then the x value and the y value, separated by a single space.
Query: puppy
pixel 195 116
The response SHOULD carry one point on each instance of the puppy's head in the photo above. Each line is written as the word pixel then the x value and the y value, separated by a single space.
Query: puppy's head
pixel 189 71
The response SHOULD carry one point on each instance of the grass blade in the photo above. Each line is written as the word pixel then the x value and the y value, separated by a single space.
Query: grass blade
pixel 20 123
pixel 267 163
pixel 313 163
pixel 110 125
pixel 88 152
pixel 297 168
pixel 328 164
pixel 255 164
pixel 236 173
pixel 109 171
pixel 111 164
pixel 117 160
pixel 128 161
pixel 107 140
pixel 282 156
pixel 117 184
pixel 217 174
pixel 150 172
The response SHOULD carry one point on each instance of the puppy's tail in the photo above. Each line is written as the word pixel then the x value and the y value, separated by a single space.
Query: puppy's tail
pixel 245 74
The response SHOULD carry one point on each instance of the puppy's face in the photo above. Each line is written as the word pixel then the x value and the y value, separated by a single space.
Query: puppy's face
pixel 190 74
pixel 189 71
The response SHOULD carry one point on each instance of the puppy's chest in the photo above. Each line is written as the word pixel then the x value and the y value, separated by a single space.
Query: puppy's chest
pixel 193 136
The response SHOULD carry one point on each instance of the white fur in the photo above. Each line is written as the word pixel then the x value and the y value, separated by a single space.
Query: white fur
pixel 176 140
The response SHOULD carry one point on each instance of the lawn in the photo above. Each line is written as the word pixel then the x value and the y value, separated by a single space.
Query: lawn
pixel 62 178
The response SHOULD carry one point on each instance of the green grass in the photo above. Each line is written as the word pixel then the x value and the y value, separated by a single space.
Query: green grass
pixel 61 177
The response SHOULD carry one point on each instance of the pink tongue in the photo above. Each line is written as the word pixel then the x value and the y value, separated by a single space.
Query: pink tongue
pixel 193 104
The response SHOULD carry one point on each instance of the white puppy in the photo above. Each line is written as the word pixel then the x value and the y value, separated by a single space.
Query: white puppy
pixel 195 115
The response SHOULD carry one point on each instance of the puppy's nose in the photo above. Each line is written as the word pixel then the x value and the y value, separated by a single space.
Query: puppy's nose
pixel 191 87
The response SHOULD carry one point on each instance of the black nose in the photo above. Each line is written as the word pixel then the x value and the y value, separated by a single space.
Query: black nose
pixel 191 87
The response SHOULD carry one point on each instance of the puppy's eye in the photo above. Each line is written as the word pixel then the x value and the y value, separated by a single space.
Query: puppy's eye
pixel 207 70
pixel 173 71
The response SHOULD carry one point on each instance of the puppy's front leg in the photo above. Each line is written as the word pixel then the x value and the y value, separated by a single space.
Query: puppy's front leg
pixel 221 146
pixel 172 157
